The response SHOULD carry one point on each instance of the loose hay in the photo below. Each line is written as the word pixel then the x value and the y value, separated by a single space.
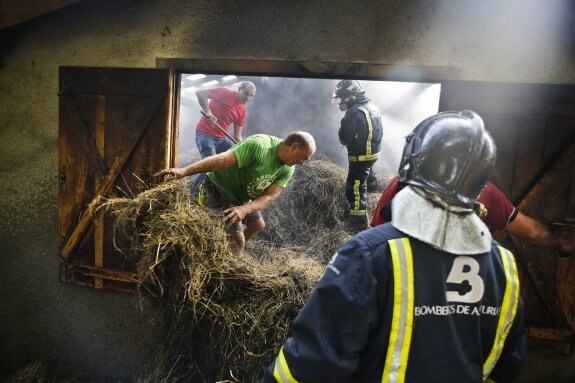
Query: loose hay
pixel 222 312
pixel 225 316
pixel 309 211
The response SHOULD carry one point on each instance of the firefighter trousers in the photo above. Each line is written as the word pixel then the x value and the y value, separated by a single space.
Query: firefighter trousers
pixel 356 189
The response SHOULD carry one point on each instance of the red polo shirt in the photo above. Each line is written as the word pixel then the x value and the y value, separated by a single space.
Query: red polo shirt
pixel 228 111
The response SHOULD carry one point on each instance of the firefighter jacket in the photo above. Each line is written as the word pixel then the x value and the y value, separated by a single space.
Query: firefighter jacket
pixel 394 309
pixel 361 130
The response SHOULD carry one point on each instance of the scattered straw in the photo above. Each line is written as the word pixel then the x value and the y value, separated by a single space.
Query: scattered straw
pixel 224 315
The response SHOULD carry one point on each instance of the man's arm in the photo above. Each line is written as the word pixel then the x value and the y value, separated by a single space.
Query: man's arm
pixel 236 214
pixel 538 234
pixel 203 97
pixel 346 130
pixel 219 161
pixel 238 133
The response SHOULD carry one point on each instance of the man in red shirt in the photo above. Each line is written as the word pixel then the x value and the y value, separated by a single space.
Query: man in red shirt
pixel 498 213
pixel 225 107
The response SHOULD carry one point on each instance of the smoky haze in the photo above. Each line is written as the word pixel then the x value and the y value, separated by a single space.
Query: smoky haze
pixel 283 105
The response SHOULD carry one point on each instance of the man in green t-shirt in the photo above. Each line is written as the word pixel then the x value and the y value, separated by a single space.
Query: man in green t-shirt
pixel 247 177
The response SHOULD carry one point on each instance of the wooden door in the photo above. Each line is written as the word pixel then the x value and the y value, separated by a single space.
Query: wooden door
pixel 115 130
pixel 534 129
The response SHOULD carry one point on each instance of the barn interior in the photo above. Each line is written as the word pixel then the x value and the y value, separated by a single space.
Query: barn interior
pixel 125 67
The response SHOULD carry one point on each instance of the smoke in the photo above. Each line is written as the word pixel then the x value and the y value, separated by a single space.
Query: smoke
pixel 283 105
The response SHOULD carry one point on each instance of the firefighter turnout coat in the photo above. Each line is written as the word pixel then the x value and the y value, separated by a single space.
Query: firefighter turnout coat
pixel 361 131
pixel 390 308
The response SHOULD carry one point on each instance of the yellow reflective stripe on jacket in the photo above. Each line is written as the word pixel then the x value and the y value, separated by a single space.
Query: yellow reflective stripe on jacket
pixel 508 310
pixel 403 311
pixel 369 131
pixel 281 369
pixel 363 157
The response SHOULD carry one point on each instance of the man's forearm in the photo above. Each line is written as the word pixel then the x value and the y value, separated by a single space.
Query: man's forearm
pixel 238 133
pixel 208 164
pixel 259 203
pixel 532 231
pixel 203 100
pixel 264 199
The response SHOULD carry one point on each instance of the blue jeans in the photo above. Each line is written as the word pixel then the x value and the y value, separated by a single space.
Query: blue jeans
pixel 209 145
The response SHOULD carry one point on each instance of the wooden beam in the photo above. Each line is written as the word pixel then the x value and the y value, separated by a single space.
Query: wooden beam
pixel 13 12
pixel 86 275
pixel 559 341
pixel 392 72
pixel 99 220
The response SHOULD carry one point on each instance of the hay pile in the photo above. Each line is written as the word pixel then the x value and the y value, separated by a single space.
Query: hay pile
pixel 222 314
pixel 309 212
pixel 225 316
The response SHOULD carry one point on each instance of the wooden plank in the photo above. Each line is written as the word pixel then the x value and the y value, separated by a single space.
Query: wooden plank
pixel 505 131
pixel 542 305
pixel 99 221
pixel 74 166
pixel 108 180
pixel 528 160
pixel 553 173
pixel 84 275
pixel 550 339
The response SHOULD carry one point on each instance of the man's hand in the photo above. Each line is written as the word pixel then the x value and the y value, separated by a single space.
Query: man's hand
pixel 211 118
pixel 235 214
pixel 170 173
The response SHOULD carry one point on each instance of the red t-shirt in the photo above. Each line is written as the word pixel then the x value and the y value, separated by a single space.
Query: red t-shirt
pixel 228 111
pixel 500 211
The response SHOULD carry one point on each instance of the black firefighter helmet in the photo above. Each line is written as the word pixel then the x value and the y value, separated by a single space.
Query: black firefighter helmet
pixel 449 155
pixel 346 92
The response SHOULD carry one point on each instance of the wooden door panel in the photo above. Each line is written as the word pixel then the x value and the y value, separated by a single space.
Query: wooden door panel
pixel 114 131
pixel 534 130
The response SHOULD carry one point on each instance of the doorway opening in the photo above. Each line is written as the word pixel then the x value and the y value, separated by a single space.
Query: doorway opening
pixel 285 104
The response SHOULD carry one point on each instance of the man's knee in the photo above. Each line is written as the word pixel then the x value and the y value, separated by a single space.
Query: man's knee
pixel 256 225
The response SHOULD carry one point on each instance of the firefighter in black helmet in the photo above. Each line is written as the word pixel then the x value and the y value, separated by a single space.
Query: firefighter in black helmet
pixel 361 131
pixel 429 297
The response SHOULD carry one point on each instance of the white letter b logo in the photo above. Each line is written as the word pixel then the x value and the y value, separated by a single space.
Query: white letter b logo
pixel 465 273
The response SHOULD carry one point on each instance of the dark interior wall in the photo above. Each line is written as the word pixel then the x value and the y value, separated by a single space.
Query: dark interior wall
pixel 79 331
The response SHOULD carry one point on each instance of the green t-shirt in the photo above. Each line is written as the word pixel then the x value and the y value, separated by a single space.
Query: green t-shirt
pixel 257 168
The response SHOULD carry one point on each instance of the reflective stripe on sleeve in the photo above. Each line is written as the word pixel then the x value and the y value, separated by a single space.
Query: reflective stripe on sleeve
pixel 369 131
pixel 403 311
pixel 281 369
pixel 508 310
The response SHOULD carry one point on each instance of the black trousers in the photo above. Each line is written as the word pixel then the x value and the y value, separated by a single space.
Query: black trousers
pixel 356 188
